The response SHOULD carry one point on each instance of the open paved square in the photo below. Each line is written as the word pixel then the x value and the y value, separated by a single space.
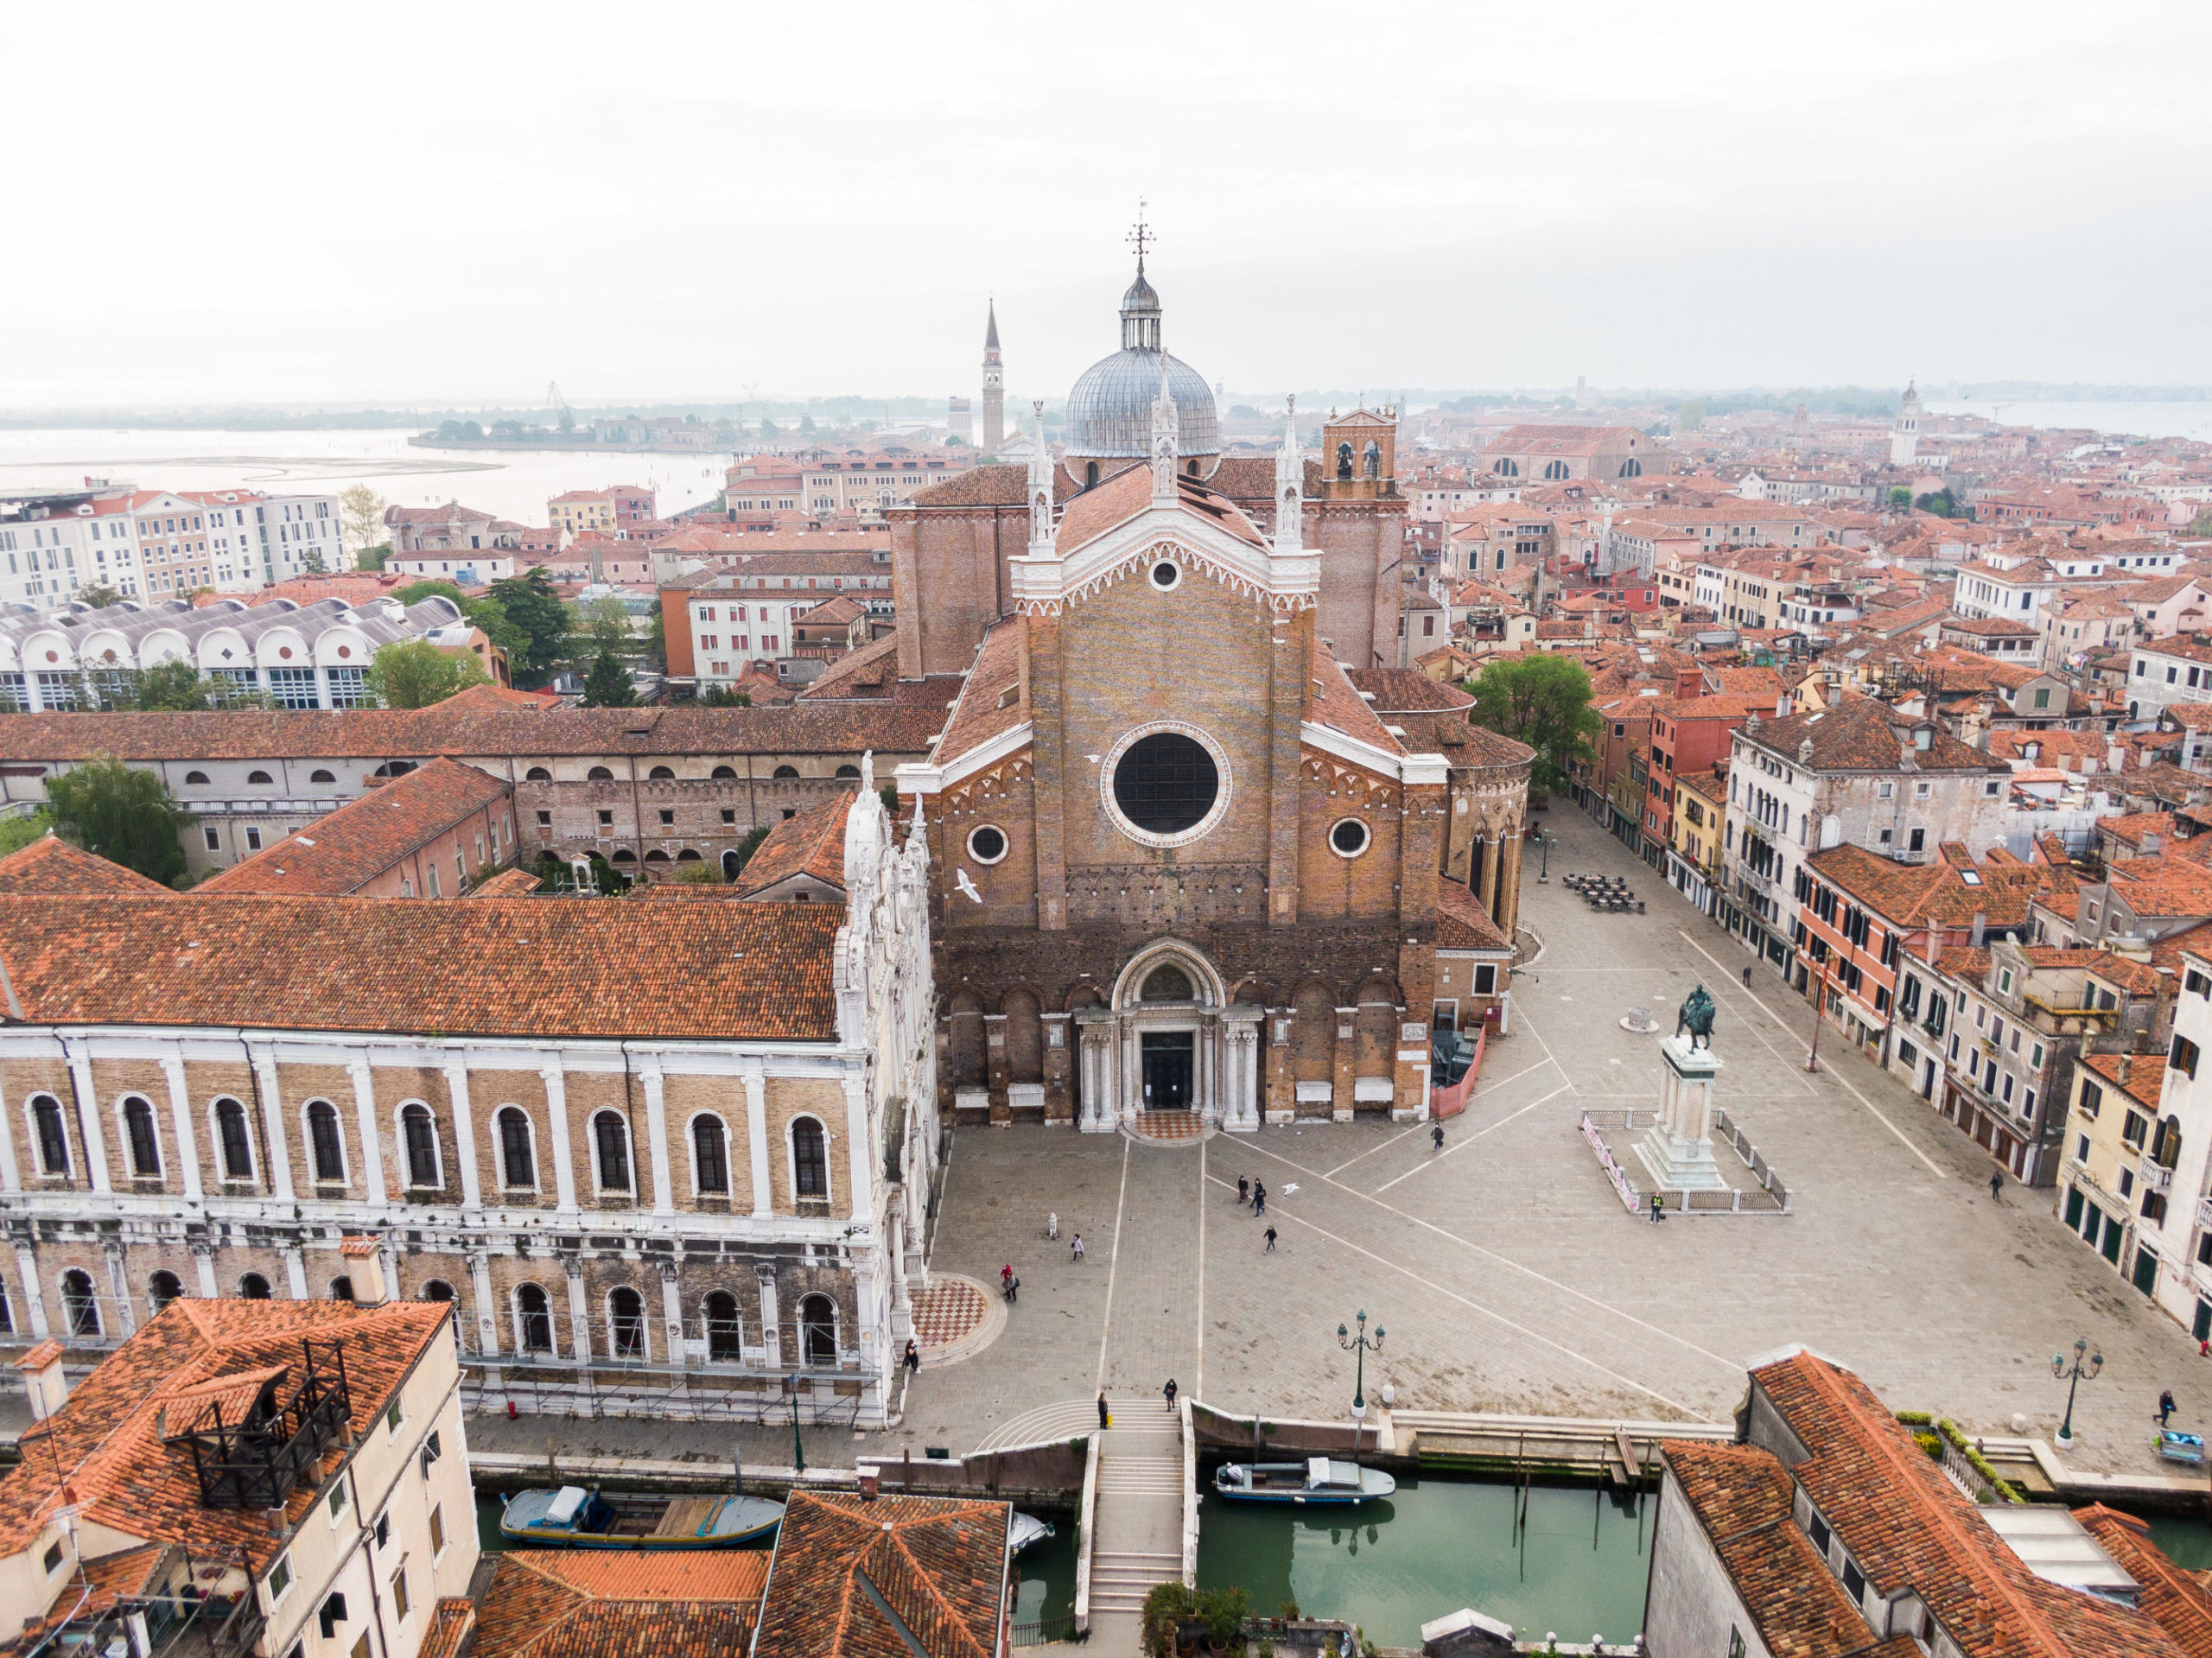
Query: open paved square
pixel 1505 1270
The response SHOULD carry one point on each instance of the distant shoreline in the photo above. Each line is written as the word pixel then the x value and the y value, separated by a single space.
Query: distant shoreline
pixel 432 440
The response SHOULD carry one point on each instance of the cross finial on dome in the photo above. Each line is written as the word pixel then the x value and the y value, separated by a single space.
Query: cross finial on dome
pixel 1140 236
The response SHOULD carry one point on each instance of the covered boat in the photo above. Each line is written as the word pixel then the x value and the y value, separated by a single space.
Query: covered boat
pixel 1023 1529
pixel 592 1518
pixel 1315 1480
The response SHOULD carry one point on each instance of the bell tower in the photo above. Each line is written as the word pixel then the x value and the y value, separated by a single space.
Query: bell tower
pixel 994 387
pixel 1905 436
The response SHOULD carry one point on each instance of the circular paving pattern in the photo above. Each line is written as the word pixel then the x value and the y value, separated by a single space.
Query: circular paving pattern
pixel 956 1319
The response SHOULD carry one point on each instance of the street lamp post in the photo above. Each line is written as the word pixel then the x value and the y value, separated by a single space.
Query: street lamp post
pixel 2072 1376
pixel 1362 1344
pixel 1544 845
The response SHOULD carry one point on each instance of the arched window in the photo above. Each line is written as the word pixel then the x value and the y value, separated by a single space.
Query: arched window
pixel 724 1337
pixel 1090 474
pixel 323 1141
pixel 78 1305
pixel 1506 468
pixel 162 1289
pixel 626 1324
pixel 817 1331
pixel 623 855
pixel 1371 463
pixel 253 1288
pixel 732 866
pixel 259 777
pixel 709 1155
pixel 420 1133
pixel 725 774
pixel 52 1144
pixel 520 1168
pixel 1631 469
pixel 810 1160
pixel 611 1140
pixel 786 772
pixel 599 774
pixel 688 855
pixel 537 774
pixel 849 771
pixel 393 769
pixel 199 777
pixel 533 1320
pixel 656 856
pixel 662 774
pixel 319 775
pixel 1555 470
pixel 341 1289
pixel 1344 461
pixel 437 1290
pixel 237 1147
pixel 138 1129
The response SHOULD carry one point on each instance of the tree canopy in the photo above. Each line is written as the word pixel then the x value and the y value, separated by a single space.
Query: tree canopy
pixel 414 673
pixel 1540 698
pixel 532 605
pixel 604 620
pixel 607 684
pixel 125 814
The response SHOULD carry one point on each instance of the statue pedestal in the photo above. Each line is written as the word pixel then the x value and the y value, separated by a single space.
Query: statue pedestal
pixel 1678 1150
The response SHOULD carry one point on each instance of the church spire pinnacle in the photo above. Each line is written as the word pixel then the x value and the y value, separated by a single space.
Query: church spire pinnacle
pixel 1166 433
pixel 1040 489
pixel 1290 483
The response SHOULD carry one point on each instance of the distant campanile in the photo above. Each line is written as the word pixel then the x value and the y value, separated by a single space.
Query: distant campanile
pixel 994 386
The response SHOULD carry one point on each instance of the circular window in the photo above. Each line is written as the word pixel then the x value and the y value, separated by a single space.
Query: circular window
pixel 1166 573
pixel 987 844
pixel 1165 785
pixel 344 652
pixel 1349 838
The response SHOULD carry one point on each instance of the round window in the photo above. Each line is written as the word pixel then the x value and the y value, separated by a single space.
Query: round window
pixel 1349 838
pixel 1166 573
pixel 987 844
pixel 1166 784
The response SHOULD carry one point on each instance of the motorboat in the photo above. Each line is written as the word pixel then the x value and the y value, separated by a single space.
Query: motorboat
pixel 1315 1480
pixel 1024 1530
pixel 575 1517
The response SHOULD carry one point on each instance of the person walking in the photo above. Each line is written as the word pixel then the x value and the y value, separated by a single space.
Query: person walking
pixel 1075 1250
pixel 1436 1136
pixel 913 1356
pixel 1105 1418
pixel 1006 1280
pixel 1270 1250
pixel 1053 1227
pixel 1747 978
pixel 1243 1190
pixel 1658 1210
pixel 1013 1289
pixel 2166 1406
pixel 1169 1391
pixel 1996 1184
pixel 1259 1198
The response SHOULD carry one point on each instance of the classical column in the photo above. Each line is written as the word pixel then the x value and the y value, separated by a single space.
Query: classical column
pixel 187 1143
pixel 34 1301
pixel 272 1122
pixel 579 1313
pixel 656 1136
pixel 364 1114
pixel 756 1133
pixel 771 1333
pixel 488 1323
pixel 860 1153
pixel 464 1136
pixel 203 1259
pixel 557 1115
pixel 91 1128
pixel 671 1312
pixel 1241 1109
pixel 296 1273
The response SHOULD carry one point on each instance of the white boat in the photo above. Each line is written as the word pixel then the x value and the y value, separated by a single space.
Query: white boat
pixel 1321 1480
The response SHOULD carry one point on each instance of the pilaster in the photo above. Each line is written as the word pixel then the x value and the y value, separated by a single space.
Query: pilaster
pixel 557 1115
pixel 188 1141
pixel 657 1133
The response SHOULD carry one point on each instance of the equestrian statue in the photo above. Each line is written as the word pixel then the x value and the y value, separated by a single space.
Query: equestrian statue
pixel 1696 1017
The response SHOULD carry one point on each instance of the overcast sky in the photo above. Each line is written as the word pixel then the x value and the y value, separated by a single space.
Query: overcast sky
pixel 463 201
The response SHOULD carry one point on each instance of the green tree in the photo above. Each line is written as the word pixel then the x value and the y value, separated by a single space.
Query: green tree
pixel 498 627
pixel 172 687
pixel 414 592
pixel 414 673
pixel 657 640
pixel 2200 524
pixel 460 431
pixel 532 605
pixel 98 596
pixel 608 685
pixel 1689 416
pixel 126 815
pixel 17 833
pixel 361 511
pixel 1540 698
pixel 721 696
pixel 1901 497
pixel 698 874
pixel 888 794
pixel 806 425
pixel 750 845
pixel 767 426
pixel 604 620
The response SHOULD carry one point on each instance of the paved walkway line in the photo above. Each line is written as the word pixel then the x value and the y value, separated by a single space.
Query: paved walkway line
pixel 1113 1264
pixel 1467 1139
pixel 1730 987
pixel 1902 1139
pixel 1199 1380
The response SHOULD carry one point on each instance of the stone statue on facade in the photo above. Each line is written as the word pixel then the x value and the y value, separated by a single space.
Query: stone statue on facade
pixel 1696 1016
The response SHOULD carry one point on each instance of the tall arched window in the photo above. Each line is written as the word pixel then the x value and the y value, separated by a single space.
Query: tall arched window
pixel 237 1147
pixel 341 1289
pixel 323 1141
pixel 138 1128
pixel 162 1289
pixel 534 1318
pixel 52 1144
pixel 611 1138
pixel 1555 471
pixel 626 1324
pixel 810 1160
pixel 78 1305
pixel 515 1160
pixel 422 1136
pixel 437 1290
pixel 1371 463
pixel 724 1342
pixel 253 1288
pixel 1344 461
pixel 709 1155
pixel 817 1330
pixel 1632 467
pixel 1090 474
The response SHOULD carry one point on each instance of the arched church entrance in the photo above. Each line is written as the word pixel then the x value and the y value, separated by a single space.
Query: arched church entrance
pixel 1168 1039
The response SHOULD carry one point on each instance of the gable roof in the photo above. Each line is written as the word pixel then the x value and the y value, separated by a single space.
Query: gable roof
pixel 812 843
pixel 902 1577
pixel 52 865
pixel 345 850
pixel 560 1603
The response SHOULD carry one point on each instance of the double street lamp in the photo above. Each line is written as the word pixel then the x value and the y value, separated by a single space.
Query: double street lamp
pixel 1362 1344
pixel 1543 839
pixel 2073 1375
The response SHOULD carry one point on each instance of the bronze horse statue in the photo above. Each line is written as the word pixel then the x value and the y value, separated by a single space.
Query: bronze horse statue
pixel 1696 1016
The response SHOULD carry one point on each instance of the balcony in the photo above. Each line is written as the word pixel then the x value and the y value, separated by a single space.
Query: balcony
pixel 255 1460
pixel 2158 1177
pixel 2205 1214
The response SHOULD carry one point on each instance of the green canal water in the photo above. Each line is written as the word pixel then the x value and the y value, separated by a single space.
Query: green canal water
pixel 1579 1566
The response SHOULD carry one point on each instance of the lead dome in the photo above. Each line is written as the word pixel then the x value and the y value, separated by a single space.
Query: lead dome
pixel 1109 409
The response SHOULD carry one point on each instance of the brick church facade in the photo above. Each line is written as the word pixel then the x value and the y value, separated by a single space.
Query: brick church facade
pixel 1194 844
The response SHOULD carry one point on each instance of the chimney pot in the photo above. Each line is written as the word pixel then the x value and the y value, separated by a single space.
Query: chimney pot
pixel 43 1379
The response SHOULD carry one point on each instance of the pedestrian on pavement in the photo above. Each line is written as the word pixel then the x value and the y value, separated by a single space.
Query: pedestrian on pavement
pixel 1075 1253
pixel 1244 1189
pixel 2204 1347
pixel 1436 1135
pixel 1013 1289
pixel 2166 1406
pixel 1270 1250
pixel 1996 1184
pixel 1053 1227
pixel 1105 1419
pixel 1658 1211
pixel 1169 1390
pixel 1259 1198
pixel 913 1356
pixel 1006 1279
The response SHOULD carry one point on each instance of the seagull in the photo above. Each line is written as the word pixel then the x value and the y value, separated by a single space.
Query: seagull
pixel 1292 1187
pixel 967 886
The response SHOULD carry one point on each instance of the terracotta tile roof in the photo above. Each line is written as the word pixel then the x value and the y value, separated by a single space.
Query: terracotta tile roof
pixel 453 1620
pixel 508 883
pixel 350 847
pixel 896 1577
pixel 2162 886
pixel 106 1441
pixel 2178 1601
pixel 1403 690
pixel 1860 735
pixel 991 486
pixel 51 864
pixel 1932 894
pixel 2145 1075
pixel 985 709
pixel 554 1603
pixel 812 843
pixel 1330 701
pixel 718 971
pixel 1462 923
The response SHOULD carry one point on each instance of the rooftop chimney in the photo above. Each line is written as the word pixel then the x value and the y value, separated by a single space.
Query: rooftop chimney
pixel 364 1267
pixel 2127 1065
pixel 1688 682
pixel 43 1379
pixel 1981 924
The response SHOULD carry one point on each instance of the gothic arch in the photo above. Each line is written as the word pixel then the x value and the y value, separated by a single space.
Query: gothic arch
pixel 964 1016
pixel 1313 1032
pixel 1025 1036
pixel 1129 985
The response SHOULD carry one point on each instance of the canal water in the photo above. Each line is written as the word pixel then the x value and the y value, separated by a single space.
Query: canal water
pixel 1578 1566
